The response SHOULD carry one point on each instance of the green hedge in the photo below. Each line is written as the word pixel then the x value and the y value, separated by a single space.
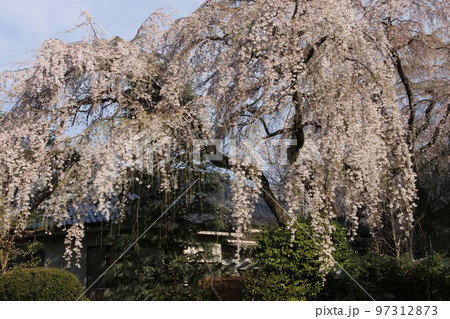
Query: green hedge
pixel 39 284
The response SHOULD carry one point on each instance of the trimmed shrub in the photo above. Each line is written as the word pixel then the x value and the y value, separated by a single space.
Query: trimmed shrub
pixel 285 271
pixel 38 284
pixel 289 270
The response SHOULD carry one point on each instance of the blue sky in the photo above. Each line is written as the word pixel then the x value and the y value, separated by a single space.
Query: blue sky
pixel 24 24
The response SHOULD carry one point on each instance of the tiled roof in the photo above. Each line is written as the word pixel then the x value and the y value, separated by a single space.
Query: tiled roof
pixel 261 215
pixel 88 214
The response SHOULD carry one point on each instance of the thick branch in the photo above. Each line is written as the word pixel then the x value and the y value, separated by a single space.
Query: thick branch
pixel 412 108
pixel 297 132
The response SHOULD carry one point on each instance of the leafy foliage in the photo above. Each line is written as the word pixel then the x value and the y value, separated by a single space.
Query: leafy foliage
pixel 33 284
pixel 386 278
pixel 18 252
pixel 288 270
pixel 25 255
pixel 292 272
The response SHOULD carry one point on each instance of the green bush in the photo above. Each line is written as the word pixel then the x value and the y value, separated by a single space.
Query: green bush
pixel 389 279
pixel 33 284
pixel 287 271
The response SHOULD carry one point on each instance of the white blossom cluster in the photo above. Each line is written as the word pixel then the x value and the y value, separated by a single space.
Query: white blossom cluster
pixel 244 198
